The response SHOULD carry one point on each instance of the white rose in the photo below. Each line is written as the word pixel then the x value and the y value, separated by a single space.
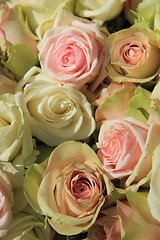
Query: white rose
pixel 57 113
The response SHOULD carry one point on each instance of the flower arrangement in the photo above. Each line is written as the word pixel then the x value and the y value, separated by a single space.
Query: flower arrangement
pixel 79 119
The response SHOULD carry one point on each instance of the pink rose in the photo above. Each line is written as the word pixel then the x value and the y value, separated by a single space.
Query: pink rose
pixel 135 54
pixel 74 53
pixel 121 142
pixel 72 190
pixel 6 202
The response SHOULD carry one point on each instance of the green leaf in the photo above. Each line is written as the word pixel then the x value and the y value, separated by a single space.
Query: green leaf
pixel 21 57
pixel 32 182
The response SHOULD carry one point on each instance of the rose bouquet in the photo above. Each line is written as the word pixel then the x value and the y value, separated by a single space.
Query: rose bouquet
pixel 79 119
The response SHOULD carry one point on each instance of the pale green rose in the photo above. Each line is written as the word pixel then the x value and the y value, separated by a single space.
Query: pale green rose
pixel 57 113
pixel 6 203
pixel 27 227
pixel 130 7
pixel 135 54
pixel 15 132
pixel 19 52
pixel 69 189
pixel 149 11
pixel 99 11
pixel 40 14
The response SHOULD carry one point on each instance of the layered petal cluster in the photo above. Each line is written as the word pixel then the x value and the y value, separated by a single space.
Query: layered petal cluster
pixel 74 52
pixel 121 142
pixel 99 11
pixel 72 189
pixel 27 226
pixel 12 128
pixel 57 113
pixel 132 50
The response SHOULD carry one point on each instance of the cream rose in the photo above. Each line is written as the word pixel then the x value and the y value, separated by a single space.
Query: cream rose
pixel 57 113
pixel 15 133
pixel 120 143
pixel 72 190
pixel 135 54
pixel 27 226
pixel 74 52
pixel 99 11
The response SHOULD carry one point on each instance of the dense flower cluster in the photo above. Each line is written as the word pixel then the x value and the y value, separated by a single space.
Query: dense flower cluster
pixel 79 119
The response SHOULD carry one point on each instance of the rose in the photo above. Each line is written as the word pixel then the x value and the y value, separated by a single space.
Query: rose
pixel 74 52
pixel 144 11
pixel 15 133
pixel 72 190
pixel 129 7
pixel 132 50
pixel 6 203
pixel 122 221
pixel 27 226
pixel 40 14
pixel 99 11
pixel 56 113
pixel 21 46
pixel 107 226
pixel 12 18
pixel 120 143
